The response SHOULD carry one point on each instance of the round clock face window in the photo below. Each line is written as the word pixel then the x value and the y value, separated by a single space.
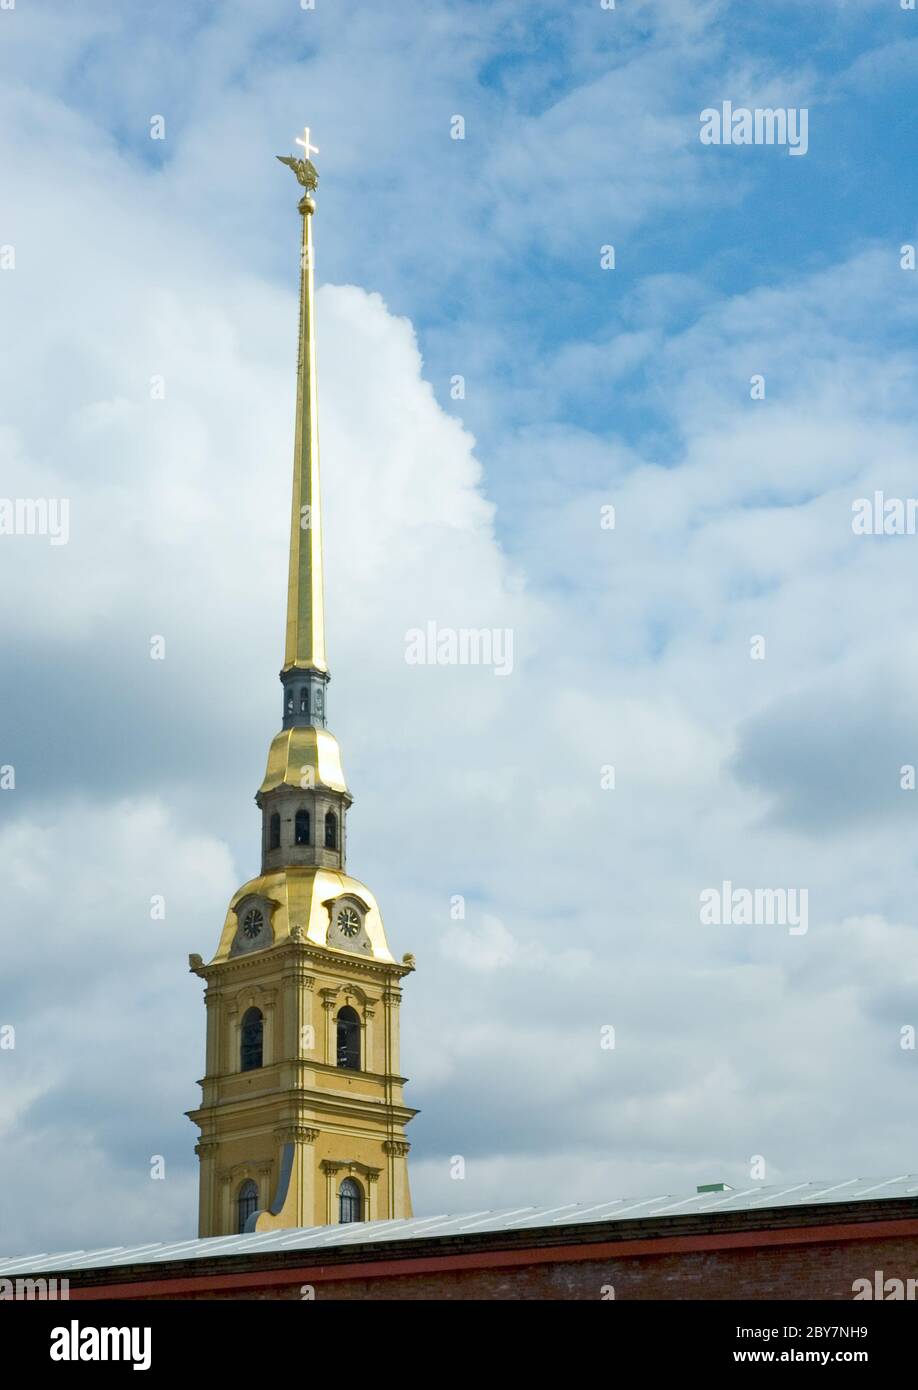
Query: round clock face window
pixel 252 923
pixel 348 922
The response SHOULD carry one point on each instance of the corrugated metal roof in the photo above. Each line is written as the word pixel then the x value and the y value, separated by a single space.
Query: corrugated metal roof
pixel 511 1219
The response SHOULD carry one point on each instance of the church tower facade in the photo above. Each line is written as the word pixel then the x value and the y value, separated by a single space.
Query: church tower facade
pixel 302 1116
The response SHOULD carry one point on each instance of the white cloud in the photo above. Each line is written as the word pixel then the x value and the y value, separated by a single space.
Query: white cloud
pixel 488 946
pixel 109 1027
pixel 632 646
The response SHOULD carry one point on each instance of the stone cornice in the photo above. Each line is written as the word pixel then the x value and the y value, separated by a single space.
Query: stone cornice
pixel 264 994
pixel 330 1069
pixel 337 960
pixel 277 957
pixel 296 1134
pixel 314 1105
pixel 326 1068
pixel 350 1165
pixel 246 1169
pixel 330 994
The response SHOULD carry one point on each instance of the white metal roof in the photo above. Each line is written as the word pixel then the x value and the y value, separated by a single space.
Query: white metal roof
pixel 364 1233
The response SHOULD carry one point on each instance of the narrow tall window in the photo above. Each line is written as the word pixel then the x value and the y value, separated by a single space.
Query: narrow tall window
pixel 348 1039
pixel 288 703
pixel 274 832
pixel 252 1040
pixel 246 1203
pixel 350 1201
pixel 331 830
pixel 304 699
pixel 301 828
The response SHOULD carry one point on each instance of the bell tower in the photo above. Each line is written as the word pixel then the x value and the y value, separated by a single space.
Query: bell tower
pixel 302 1118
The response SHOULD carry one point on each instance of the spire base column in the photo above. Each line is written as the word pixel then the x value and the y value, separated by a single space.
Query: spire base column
pixel 305 700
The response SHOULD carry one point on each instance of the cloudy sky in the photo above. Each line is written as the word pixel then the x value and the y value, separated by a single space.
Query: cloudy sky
pixel 149 314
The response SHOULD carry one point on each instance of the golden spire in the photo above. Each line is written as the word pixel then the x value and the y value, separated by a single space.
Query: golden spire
pixel 305 644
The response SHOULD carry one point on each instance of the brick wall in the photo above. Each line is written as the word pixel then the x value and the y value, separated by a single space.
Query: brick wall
pixel 793 1269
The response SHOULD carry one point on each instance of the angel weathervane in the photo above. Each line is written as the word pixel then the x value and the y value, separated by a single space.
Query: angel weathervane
pixel 305 170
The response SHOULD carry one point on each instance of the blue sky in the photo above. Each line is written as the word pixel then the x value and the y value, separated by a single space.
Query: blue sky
pixel 584 388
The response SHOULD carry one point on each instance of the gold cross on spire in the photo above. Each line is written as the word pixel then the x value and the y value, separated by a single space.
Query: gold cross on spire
pixel 305 170
pixel 307 148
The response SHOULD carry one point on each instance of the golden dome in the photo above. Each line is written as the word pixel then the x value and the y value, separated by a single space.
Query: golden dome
pixel 301 898
pixel 295 750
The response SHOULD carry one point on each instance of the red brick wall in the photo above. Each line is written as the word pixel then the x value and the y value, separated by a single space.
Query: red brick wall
pixel 818 1270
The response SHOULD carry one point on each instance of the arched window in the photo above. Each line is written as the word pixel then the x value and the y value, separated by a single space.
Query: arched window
pixel 274 832
pixel 289 700
pixel 246 1203
pixel 301 828
pixel 348 1039
pixel 350 1201
pixel 252 1040
pixel 304 699
pixel 331 830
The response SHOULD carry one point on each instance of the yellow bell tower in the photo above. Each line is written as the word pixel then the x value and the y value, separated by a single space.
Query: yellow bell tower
pixel 302 1118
